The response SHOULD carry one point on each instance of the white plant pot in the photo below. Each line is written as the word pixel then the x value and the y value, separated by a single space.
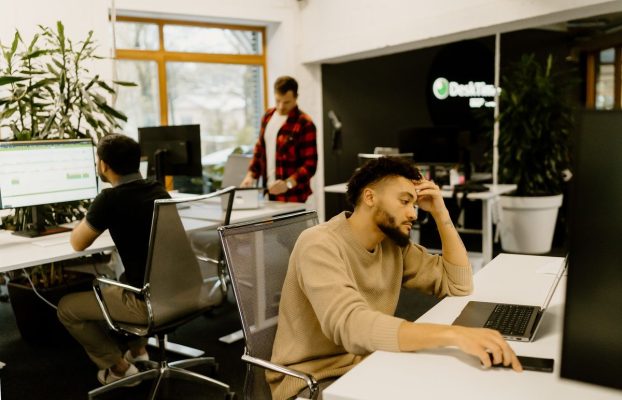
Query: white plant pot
pixel 528 223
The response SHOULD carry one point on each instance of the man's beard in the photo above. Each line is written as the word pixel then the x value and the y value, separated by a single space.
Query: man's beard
pixel 391 230
pixel 101 175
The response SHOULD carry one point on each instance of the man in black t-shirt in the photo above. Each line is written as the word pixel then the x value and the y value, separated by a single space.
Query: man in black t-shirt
pixel 126 210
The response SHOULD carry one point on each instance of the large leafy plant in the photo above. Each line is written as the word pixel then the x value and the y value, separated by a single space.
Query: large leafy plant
pixel 536 121
pixel 48 92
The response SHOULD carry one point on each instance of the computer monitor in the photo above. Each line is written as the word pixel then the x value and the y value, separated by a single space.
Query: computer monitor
pixel 437 145
pixel 46 171
pixel 592 339
pixel 171 150
pixel 363 158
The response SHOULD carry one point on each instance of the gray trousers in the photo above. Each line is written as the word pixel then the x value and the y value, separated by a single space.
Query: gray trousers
pixel 83 318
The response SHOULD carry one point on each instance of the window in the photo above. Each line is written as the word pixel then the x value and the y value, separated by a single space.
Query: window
pixel 192 73
pixel 604 78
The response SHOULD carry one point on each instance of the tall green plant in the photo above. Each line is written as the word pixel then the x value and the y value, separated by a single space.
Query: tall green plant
pixel 535 124
pixel 49 90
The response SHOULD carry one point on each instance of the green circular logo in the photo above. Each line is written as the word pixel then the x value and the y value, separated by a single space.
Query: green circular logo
pixel 440 88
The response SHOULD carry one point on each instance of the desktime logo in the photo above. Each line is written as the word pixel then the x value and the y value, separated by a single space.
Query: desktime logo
pixel 440 88
pixel 475 91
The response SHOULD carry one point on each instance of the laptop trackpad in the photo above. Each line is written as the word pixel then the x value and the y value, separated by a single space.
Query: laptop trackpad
pixel 475 314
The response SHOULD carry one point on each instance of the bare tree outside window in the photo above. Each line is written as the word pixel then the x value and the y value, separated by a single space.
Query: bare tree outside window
pixel 205 74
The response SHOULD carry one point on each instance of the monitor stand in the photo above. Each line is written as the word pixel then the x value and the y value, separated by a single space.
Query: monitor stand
pixel 38 222
pixel 160 160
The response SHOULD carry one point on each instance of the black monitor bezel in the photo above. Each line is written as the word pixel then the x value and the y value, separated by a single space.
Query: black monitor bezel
pixel 190 134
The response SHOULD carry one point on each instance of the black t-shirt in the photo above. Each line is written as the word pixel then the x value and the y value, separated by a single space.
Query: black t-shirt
pixel 126 211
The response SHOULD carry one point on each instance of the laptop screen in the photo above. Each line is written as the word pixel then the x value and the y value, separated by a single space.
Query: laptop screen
pixel 561 273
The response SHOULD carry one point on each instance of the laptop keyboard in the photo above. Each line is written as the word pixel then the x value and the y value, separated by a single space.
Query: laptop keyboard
pixel 510 319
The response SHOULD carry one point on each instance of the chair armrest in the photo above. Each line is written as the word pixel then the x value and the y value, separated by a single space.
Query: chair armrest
pixel 309 379
pixel 102 303
pixel 208 260
pixel 112 282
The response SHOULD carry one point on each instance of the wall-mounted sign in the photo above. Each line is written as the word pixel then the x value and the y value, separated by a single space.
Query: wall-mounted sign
pixel 476 92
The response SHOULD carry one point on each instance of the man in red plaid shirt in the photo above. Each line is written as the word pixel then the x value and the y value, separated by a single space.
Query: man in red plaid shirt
pixel 285 155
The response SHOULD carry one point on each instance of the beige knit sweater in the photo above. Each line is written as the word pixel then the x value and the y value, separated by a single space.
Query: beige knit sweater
pixel 338 300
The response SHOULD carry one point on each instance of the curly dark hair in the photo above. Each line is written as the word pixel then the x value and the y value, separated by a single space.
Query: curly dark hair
pixel 376 170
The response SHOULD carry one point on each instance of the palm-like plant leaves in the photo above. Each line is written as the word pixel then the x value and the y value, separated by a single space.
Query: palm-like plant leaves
pixel 51 93
pixel 535 125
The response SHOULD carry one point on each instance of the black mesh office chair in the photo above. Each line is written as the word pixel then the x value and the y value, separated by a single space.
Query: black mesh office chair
pixel 257 256
pixel 174 289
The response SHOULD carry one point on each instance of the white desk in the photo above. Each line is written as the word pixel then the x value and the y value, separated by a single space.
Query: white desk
pixel 209 214
pixel 488 201
pixel 448 373
pixel 21 252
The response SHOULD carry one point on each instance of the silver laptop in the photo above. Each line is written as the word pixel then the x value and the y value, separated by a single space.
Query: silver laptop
pixel 244 199
pixel 235 169
pixel 514 321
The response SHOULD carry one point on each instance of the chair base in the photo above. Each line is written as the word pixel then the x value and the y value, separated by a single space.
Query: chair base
pixel 165 370
pixel 177 348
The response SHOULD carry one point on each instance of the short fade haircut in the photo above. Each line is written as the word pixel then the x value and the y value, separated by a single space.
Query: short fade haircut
pixel 120 152
pixel 375 171
pixel 284 84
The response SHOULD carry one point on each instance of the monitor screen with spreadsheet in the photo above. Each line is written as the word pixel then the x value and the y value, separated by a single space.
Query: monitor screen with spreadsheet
pixel 46 171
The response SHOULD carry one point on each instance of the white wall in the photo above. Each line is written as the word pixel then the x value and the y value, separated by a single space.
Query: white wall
pixel 78 17
pixel 339 30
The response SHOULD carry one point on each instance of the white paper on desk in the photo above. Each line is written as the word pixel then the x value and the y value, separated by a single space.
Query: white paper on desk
pixel 550 268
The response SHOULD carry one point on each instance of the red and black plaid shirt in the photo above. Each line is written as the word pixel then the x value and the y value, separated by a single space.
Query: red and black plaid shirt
pixel 296 154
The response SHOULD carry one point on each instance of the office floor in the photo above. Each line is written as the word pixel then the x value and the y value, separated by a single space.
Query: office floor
pixel 62 370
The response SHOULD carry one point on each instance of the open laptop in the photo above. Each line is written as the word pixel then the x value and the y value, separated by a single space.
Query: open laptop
pixel 514 321
pixel 235 170
pixel 244 199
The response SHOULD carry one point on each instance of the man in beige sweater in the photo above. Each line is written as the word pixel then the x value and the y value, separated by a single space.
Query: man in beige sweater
pixel 345 275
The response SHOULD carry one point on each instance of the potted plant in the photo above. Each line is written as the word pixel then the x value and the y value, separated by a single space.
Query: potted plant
pixel 535 124
pixel 52 281
pixel 48 92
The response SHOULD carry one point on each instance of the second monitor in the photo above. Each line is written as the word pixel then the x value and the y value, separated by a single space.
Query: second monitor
pixel 171 150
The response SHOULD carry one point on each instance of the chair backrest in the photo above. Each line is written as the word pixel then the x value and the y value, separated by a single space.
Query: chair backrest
pixel 257 257
pixel 175 285
pixel 236 168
